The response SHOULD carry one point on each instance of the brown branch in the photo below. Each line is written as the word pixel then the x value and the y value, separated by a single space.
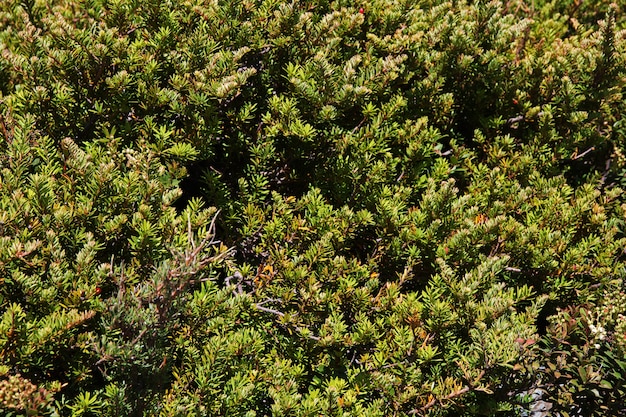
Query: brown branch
pixel 470 386
pixel 259 307
pixel 593 148
pixel 432 402
pixel 270 310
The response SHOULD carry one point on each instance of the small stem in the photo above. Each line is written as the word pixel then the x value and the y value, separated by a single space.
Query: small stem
pixel 593 148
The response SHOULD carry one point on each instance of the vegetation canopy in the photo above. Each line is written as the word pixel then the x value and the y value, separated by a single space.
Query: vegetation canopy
pixel 305 208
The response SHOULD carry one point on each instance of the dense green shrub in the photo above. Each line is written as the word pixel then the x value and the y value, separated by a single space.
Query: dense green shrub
pixel 312 208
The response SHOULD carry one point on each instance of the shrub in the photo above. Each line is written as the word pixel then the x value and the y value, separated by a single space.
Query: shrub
pixel 311 208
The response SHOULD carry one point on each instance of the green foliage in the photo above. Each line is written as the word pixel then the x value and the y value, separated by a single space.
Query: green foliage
pixel 93 260
pixel 418 208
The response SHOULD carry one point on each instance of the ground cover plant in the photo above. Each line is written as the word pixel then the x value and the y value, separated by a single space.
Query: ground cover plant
pixel 264 207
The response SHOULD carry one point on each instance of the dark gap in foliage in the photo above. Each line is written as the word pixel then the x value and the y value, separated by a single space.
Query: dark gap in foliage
pixel 422 273
pixel 578 171
pixel 542 322
pixel 191 185
pixel 204 177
